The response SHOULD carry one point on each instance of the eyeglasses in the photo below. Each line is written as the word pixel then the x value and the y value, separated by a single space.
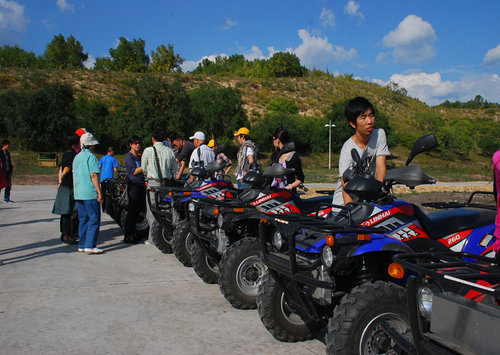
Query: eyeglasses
pixel 274 138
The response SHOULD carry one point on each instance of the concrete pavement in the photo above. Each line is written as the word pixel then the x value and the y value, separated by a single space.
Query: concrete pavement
pixel 130 300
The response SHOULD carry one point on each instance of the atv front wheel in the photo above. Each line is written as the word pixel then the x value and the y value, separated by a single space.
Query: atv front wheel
pixel 241 272
pixel 204 265
pixel 355 327
pixel 141 225
pixel 161 237
pixel 182 243
pixel 279 316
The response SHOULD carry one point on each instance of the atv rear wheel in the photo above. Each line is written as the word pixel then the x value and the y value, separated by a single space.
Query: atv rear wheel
pixel 141 225
pixel 279 316
pixel 355 327
pixel 204 265
pixel 241 272
pixel 182 243
pixel 161 237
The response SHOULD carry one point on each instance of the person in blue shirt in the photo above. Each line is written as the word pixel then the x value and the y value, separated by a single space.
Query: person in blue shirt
pixel 108 165
pixel 136 189
pixel 88 195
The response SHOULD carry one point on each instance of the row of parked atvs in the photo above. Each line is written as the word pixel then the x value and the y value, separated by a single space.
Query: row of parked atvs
pixel 384 276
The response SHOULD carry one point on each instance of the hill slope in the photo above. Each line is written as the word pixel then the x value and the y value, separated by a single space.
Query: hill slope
pixel 313 94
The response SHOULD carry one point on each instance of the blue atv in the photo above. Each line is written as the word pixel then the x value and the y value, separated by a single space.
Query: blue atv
pixel 167 204
pixel 315 265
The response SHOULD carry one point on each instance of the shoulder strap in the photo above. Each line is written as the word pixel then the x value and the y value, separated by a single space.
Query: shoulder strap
pixel 160 176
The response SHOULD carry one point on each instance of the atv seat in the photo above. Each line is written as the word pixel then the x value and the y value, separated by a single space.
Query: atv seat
pixel 439 224
pixel 310 205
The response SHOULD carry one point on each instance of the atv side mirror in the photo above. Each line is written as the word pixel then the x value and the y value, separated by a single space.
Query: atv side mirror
pixel 355 156
pixel 422 144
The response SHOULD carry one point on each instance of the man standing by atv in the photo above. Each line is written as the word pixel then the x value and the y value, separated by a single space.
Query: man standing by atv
pixel 247 155
pixel 135 188
pixel 371 144
pixel 159 167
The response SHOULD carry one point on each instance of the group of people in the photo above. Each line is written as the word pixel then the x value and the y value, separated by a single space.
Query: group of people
pixel 164 162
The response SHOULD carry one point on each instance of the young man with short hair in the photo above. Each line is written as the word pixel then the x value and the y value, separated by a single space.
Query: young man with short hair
pixel 184 150
pixel 108 165
pixel 136 189
pixel 371 144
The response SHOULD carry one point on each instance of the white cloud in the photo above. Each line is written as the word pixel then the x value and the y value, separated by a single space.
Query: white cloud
pixel 411 41
pixel 63 5
pixel 190 65
pixel 352 8
pixel 327 18
pixel 315 51
pixel 492 57
pixel 256 53
pixel 228 24
pixel 12 16
pixel 90 62
pixel 433 90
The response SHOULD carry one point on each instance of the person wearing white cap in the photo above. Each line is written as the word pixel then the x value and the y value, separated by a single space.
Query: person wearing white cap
pixel 202 155
pixel 88 195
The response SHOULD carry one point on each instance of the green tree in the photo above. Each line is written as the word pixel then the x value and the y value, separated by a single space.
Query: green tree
pixel 14 56
pixel 218 111
pixel 130 55
pixel 43 117
pixel 281 104
pixel 104 64
pixel 64 53
pixel 155 105
pixel 165 59
pixel 286 64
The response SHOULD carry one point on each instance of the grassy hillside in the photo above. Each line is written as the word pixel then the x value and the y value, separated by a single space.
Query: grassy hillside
pixel 313 94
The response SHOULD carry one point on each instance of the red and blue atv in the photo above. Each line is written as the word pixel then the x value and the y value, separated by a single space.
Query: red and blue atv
pixel 226 233
pixel 450 306
pixel 167 205
pixel 314 266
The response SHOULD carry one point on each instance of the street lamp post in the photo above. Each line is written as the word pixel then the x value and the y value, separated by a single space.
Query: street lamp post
pixel 330 125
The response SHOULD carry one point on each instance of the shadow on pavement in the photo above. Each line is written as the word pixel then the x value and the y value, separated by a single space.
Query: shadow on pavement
pixel 54 246
pixel 29 222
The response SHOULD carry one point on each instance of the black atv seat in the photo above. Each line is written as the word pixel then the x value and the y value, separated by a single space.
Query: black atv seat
pixel 439 224
pixel 310 205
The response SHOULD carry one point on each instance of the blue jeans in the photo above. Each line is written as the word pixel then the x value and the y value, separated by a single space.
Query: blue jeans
pixel 242 185
pixel 89 214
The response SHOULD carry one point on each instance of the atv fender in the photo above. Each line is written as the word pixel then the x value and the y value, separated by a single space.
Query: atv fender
pixel 380 242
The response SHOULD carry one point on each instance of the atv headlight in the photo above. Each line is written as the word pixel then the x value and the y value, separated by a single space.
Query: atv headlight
pixel 277 241
pixel 424 295
pixel 327 256
pixel 191 206
pixel 220 220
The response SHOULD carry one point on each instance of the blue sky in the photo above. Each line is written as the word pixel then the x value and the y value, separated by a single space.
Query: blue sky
pixel 437 49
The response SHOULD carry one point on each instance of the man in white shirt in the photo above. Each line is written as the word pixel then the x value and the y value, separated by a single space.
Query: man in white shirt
pixel 155 172
pixel 371 144
pixel 202 155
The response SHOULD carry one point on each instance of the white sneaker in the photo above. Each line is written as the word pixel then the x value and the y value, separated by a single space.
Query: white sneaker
pixel 80 250
pixel 93 250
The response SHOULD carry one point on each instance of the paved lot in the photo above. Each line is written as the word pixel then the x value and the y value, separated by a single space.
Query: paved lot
pixel 129 300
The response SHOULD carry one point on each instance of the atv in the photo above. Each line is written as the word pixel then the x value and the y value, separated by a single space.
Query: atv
pixel 450 306
pixel 115 203
pixel 168 205
pixel 226 243
pixel 315 268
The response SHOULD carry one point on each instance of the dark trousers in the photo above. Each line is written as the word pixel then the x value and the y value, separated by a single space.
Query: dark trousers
pixel 136 204
pixel 6 194
pixel 69 224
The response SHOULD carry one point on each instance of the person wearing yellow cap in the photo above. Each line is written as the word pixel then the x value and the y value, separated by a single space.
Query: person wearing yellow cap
pixel 247 155
pixel 220 157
